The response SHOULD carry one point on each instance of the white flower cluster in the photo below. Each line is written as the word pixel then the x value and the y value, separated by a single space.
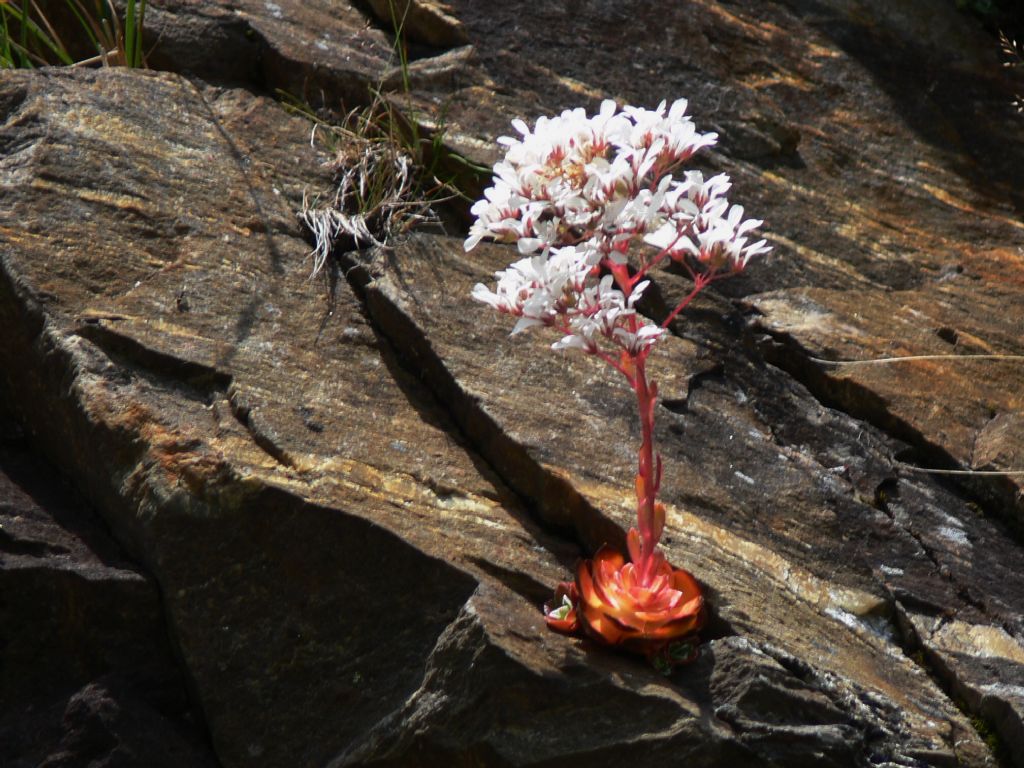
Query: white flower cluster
pixel 576 193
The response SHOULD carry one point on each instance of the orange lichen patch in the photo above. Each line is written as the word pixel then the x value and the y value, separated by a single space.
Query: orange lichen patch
pixel 122 202
pixel 763 31
pixel 757 82
pixel 181 458
pixel 849 208
pixel 1003 265
pixel 767 32
pixel 822 52
pixel 578 86
pixel 947 197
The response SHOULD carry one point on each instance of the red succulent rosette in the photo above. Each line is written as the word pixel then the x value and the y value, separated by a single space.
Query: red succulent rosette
pixel 611 603
pixel 619 609
pixel 560 612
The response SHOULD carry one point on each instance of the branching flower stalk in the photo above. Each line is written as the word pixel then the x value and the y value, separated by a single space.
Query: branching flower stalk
pixel 594 205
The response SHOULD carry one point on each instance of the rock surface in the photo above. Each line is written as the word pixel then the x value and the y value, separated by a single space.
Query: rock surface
pixel 86 672
pixel 354 493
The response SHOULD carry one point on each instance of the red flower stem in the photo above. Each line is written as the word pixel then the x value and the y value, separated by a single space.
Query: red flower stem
pixel 658 258
pixel 634 369
pixel 646 395
pixel 613 363
pixel 642 272
pixel 648 468
pixel 566 329
pixel 700 280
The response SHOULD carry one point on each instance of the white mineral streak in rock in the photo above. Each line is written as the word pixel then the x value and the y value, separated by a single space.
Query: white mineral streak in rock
pixel 1003 690
pixel 745 478
pixel 858 604
pixel 979 640
pixel 956 535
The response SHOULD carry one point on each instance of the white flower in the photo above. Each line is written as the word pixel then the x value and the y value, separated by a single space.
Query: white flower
pixel 634 342
pixel 603 310
pixel 538 288
pixel 721 241
pixel 675 134
pixel 576 193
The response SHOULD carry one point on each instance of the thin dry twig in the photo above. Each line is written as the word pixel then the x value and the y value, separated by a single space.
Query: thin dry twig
pixel 910 358
pixel 984 472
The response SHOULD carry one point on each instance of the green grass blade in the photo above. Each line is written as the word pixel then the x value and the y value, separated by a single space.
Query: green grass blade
pixel 83 22
pixel 129 34
pixel 140 25
pixel 55 48
pixel 30 31
pixel 6 56
pixel 24 24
